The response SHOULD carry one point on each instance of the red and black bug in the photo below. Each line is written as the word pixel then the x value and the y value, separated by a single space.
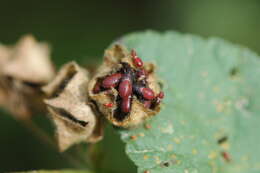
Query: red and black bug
pixel 130 83
pixel 126 104
pixel 109 105
pixel 136 60
pixel 112 80
pixel 125 86
pixel 226 156
pixel 144 92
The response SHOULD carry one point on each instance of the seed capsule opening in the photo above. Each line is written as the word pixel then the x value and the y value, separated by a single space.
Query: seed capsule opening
pixel 129 84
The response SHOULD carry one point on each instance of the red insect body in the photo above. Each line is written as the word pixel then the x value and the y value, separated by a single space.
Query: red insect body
pixel 141 73
pixel 226 156
pixel 161 95
pixel 147 93
pixel 126 104
pixel 109 105
pixel 96 88
pixel 125 88
pixel 136 60
pixel 147 103
pixel 112 80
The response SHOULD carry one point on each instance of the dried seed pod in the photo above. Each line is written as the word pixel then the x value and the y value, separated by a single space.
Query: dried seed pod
pixel 67 103
pixel 30 62
pixel 4 56
pixel 24 68
pixel 5 53
pixel 130 107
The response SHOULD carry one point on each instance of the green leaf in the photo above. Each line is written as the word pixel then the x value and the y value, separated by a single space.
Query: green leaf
pixel 212 91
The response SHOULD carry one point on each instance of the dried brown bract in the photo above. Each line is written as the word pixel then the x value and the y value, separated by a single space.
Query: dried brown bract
pixel 4 56
pixel 67 103
pixel 30 61
pixel 124 89
pixel 24 68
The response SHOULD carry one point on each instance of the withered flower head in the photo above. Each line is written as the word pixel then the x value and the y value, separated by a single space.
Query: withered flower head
pixel 67 97
pixel 124 89
pixel 24 68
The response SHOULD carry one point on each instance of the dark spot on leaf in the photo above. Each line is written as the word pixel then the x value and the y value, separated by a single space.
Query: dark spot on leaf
pixel 234 71
pixel 161 84
pixel 165 164
pixel 222 140
pixel 62 112
pixel 133 137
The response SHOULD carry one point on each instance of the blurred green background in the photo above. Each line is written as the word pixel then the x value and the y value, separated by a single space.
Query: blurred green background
pixel 81 30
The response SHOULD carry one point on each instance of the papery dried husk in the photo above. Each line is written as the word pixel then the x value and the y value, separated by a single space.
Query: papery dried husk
pixel 21 100
pixel 24 68
pixel 67 103
pixel 5 53
pixel 113 58
pixel 4 56
pixel 30 61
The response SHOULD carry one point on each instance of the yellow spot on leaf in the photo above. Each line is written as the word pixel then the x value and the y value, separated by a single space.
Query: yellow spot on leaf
pixel 225 146
pixel 170 147
pixel 178 162
pixel 177 140
pixel 216 89
pixel 157 160
pixel 245 158
pixel 168 129
pixel 212 155
pixel 194 151
pixel 222 106
pixel 141 134
pixel 146 157
pixel 173 156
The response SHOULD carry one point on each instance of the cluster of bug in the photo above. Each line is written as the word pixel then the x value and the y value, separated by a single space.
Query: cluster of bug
pixel 128 82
